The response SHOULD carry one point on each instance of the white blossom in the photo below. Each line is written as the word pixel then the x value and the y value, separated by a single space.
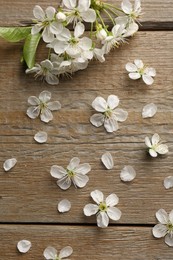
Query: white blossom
pixel 168 182
pixel 155 146
pixel 47 70
pixel 64 206
pixel 104 208
pixel 47 22
pixel 107 160
pixel 130 26
pixel 165 226
pixel 132 11
pixel 23 246
pixel 74 173
pixel 9 164
pixel 50 253
pixel 42 106
pixel 128 173
pixel 149 110
pixel 108 114
pixel 79 11
pixel 138 69
pixel 40 137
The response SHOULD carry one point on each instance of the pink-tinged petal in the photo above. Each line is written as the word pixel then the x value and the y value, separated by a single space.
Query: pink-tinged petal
pixel 134 75
pixel 50 253
pixel 99 104
pixel 58 172
pixel 83 168
pixel 97 120
pixel 64 183
pixel 45 96
pixel 90 209
pixel 169 240
pixel 97 196
pixel 89 16
pixel 46 115
pixel 55 105
pixel 147 79
pixel 159 230
pixel 102 220
pixel 162 149
pixel 139 63
pixel 111 125
pixel 130 67
pixel 155 139
pixel 128 173
pixel 162 216
pixel 65 252
pixel 114 213
pixel 50 13
pixel 38 13
pixel 34 101
pixel 33 112
pixel 126 6
pixel 168 182
pixel 113 101
pixel 120 114
pixel 73 163
pixel 80 180
pixel 152 153
pixel 112 200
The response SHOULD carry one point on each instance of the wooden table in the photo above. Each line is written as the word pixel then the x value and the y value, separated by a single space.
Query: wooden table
pixel 29 195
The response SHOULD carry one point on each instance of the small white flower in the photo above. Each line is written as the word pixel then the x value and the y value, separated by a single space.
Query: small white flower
pixel 47 71
pixel 165 226
pixel 132 11
pixel 107 160
pixel 138 69
pixel 64 206
pixel 155 146
pixel 50 253
pixel 41 106
pixel 149 110
pixel 104 209
pixel 40 137
pixel 9 164
pixel 128 173
pixel 130 26
pixel 75 173
pixel 79 11
pixel 23 246
pixel 46 21
pixel 108 115
pixel 168 182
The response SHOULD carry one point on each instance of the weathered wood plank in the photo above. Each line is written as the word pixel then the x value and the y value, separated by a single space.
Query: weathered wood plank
pixel 157 14
pixel 132 243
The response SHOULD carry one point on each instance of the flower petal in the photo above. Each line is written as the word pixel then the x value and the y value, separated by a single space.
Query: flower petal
pixel 64 206
pixel 97 120
pixel 90 209
pixel 155 139
pixel 9 164
pixel 149 110
pixel 46 115
pixel 73 163
pixel 111 125
pixel 99 104
pixel 85 43
pixel 65 252
pixel 171 216
pixel 38 13
pixel 50 12
pixel 126 6
pixel 51 79
pixel 79 29
pixel 40 137
pixel 168 182
pixel 147 79
pixel 169 240
pixel 50 253
pixel 23 246
pixel 64 183
pixel 148 142
pixel 45 95
pixel 152 153
pixel 102 220
pixel 56 28
pixel 128 173
pixel 162 216
pixel 47 35
pixel 130 67
pixel 97 196
pixel 83 168
pixel 159 230
pixel 139 63
pixel 107 160
pixel 89 16
pixel 134 75
pixel 112 200
pixel 34 101
pixel 58 172
pixel 80 180
pixel 70 4
pixel 162 149
pixel 150 71
pixel 120 114
pixel 33 112
pixel 112 101
pixel 36 29
pixel 114 213
pixel 55 105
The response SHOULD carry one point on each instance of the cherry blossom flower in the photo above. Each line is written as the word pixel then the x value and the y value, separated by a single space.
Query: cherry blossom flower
pixel 50 253
pixel 75 173
pixel 46 21
pixel 23 246
pixel 9 164
pixel 42 106
pixel 165 226
pixel 155 146
pixel 104 209
pixel 108 115
pixel 79 11
pixel 132 11
pixel 47 71
pixel 138 70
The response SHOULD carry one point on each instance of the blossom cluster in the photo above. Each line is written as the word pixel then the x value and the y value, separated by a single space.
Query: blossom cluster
pixel 70 51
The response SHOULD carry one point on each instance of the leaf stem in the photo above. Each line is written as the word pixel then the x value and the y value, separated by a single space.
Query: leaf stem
pixel 101 19
pixel 110 17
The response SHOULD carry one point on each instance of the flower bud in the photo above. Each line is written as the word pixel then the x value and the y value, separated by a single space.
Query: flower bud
pixel 101 34
pixel 61 16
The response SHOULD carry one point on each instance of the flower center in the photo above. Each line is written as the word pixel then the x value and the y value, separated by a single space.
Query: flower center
pixel 102 206
pixel 70 173
pixel 170 228
pixel 97 5
pixel 73 40
pixel 108 113
pixel 42 106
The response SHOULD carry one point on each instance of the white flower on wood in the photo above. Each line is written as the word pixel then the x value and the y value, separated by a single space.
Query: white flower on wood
pixel 132 11
pixel 155 146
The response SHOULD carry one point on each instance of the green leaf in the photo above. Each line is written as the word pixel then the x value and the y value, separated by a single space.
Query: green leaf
pixel 14 34
pixel 29 49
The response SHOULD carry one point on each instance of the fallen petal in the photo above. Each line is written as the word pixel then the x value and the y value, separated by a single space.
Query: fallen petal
pixel 168 182
pixel 107 160
pixel 149 110
pixel 128 173
pixel 9 164
pixel 64 206
pixel 40 137
pixel 23 246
